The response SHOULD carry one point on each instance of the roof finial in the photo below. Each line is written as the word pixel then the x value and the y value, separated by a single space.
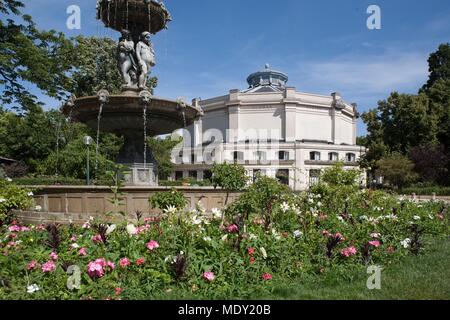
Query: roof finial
pixel 267 66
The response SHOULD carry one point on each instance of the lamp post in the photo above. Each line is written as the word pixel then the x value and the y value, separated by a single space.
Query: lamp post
pixel 87 141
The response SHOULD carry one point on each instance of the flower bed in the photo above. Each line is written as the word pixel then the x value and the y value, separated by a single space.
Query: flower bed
pixel 296 235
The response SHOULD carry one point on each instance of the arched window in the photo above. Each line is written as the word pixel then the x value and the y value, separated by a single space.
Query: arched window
pixel 238 156
pixel 260 156
pixel 350 157
pixel 333 156
pixel 283 155
pixel 314 156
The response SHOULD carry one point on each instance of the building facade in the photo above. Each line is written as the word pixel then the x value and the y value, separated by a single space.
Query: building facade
pixel 271 129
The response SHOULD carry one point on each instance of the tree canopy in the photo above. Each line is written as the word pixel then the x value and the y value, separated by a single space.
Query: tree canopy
pixel 407 123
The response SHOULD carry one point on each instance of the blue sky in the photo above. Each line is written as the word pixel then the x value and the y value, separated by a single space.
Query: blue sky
pixel 211 46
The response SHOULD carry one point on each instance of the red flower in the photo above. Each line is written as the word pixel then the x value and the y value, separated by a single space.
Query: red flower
pixel 252 260
pixel 267 276
pixel 251 251
pixel 119 291
pixel 140 261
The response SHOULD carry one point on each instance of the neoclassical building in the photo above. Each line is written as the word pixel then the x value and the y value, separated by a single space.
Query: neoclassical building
pixel 271 129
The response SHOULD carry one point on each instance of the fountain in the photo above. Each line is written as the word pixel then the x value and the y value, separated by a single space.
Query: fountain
pixel 134 113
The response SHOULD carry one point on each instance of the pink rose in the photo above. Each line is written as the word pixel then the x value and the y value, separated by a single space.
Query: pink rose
pixel 97 239
pixel 267 276
pixel 32 265
pixel 140 261
pixel 152 245
pixel 53 256
pixel 375 243
pixel 95 269
pixel 124 262
pixel 49 266
pixel 82 252
pixel 347 252
pixel 111 265
pixel 233 228
pixel 209 276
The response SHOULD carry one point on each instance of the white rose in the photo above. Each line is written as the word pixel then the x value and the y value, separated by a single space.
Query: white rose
pixel 33 288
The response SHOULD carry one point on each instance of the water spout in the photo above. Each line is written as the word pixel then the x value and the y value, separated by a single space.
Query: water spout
pixel 103 97
pixel 145 135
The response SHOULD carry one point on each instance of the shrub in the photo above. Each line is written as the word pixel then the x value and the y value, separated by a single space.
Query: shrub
pixel 12 197
pixel 230 177
pixel 164 200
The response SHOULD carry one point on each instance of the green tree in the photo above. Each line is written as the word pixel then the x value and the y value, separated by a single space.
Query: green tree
pixel 28 55
pixel 397 170
pixel 162 153
pixel 230 177
pixel 337 176
pixel 439 66
pixel 72 160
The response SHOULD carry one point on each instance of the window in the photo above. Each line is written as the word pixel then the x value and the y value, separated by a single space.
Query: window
pixel 283 176
pixel 333 156
pixel 350 157
pixel 178 175
pixel 260 155
pixel 314 177
pixel 193 158
pixel 238 156
pixel 193 174
pixel 314 156
pixel 283 155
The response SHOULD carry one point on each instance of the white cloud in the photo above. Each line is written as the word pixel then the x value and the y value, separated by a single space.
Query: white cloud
pixel 365 75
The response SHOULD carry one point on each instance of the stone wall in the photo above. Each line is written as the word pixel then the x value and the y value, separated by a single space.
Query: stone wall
pixel 61 204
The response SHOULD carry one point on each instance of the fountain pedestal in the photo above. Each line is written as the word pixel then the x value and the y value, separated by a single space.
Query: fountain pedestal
pixel 141 175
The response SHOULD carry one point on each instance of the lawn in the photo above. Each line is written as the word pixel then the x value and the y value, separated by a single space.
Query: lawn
pixel 423 277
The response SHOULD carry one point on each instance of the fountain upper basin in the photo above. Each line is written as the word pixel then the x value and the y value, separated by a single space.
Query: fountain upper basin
pixel 124 112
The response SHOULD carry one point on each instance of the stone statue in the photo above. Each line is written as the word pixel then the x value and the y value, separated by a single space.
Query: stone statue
pixel 126 59
pixel 145 58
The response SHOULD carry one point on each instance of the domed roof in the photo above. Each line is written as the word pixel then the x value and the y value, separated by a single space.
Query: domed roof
pixel 268 77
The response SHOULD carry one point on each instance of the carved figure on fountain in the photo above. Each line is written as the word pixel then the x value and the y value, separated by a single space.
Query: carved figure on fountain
pixel 126 60
pixel 145 57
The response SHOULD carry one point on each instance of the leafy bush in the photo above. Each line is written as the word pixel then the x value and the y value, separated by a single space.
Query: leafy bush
pixel 230 177
pixel 12 197
pixel 58 180
pixel 164 200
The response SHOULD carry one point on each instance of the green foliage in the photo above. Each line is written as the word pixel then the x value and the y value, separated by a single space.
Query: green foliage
pixel 403 121
pixel 439 65
pixel 164 200
pixel 397 170
pixel 28 55
pixel 161 151
pixel 338 177
pixel 72 160
pixel 116 176
pixel 335 187
pixel 12 197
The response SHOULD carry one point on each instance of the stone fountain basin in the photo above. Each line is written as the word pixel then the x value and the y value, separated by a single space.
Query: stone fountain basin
pixel 125 112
